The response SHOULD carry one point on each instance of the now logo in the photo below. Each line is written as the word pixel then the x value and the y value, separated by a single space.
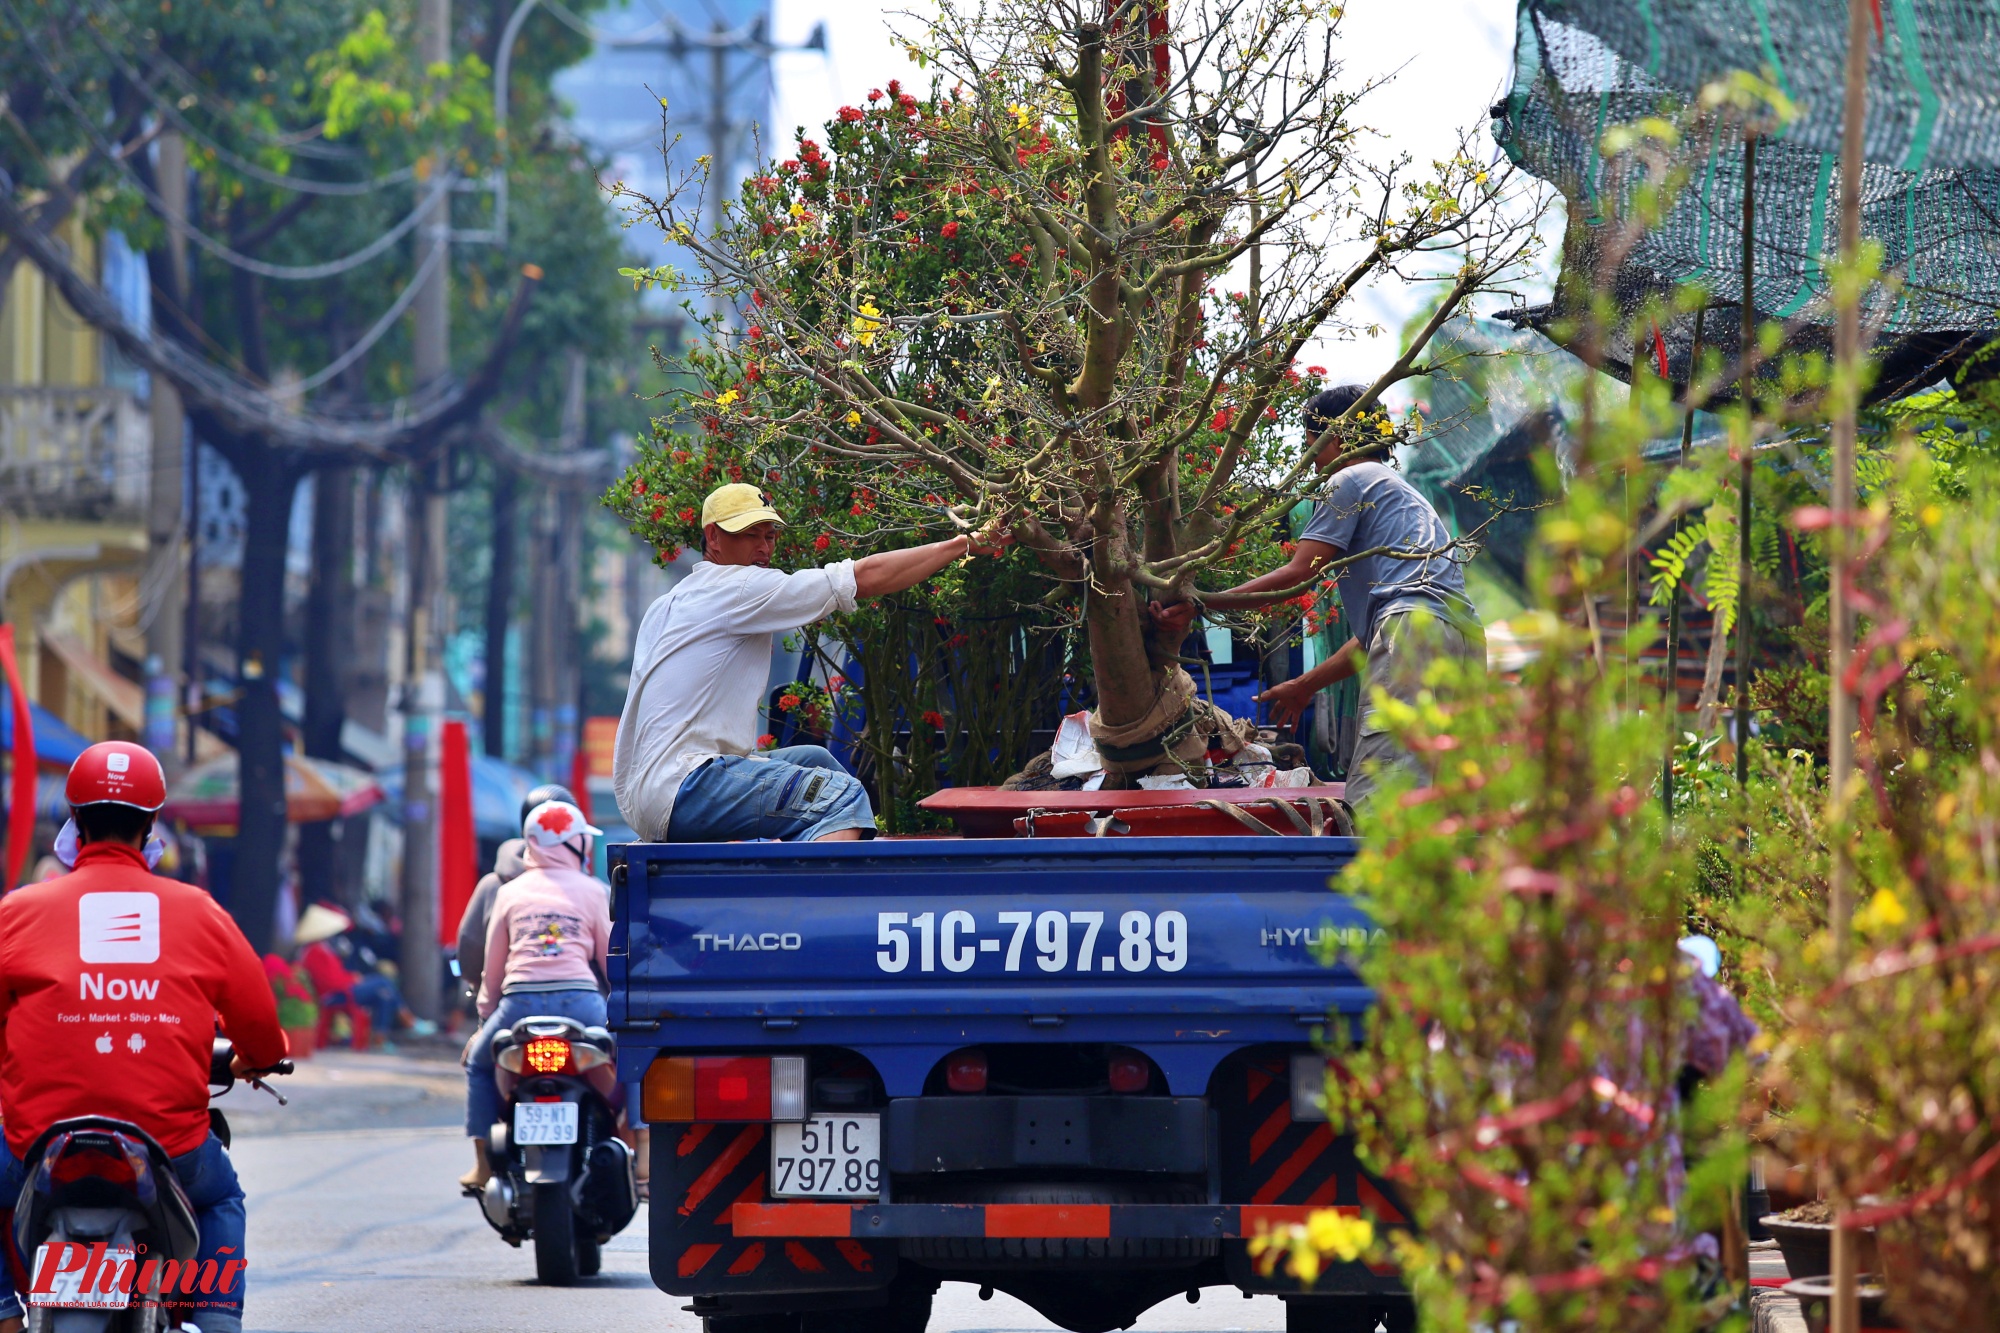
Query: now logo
pixel 93 986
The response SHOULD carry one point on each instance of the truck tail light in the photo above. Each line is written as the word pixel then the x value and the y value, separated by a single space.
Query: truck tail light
pixel 788 1087
pixel 681 1088
pixel 965 1071
pixel 1130 1072
pixel 666 1096
pixel 1308 1087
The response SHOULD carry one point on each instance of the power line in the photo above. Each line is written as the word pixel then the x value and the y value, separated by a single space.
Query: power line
pixel 172 111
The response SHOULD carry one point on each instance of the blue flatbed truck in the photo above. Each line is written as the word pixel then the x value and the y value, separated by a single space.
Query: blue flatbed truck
pixel 1081 1071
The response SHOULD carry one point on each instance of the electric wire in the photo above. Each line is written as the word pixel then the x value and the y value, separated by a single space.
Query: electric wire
pixel 167 107
pixel 226 253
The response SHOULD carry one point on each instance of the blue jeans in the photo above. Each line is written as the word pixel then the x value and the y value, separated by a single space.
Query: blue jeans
pixel 379 996
pixel 797 794
pixel 482 1095
pixel 212 1188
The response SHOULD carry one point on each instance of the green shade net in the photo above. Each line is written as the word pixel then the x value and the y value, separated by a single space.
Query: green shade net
pixel 1583 66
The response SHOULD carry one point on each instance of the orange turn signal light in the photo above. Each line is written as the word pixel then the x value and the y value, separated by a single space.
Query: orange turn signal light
pixel 666 1094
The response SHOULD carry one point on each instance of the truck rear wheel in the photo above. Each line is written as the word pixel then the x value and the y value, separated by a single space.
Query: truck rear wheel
pixel 963 1252
pixel 1349 1314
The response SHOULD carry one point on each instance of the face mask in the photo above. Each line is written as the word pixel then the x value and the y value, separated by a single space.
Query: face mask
pixel 68 843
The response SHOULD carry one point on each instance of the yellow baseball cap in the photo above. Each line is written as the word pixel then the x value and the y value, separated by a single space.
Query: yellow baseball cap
pixel 735 507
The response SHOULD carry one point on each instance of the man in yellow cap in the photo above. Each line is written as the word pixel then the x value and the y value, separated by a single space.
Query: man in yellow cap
pixel 686 767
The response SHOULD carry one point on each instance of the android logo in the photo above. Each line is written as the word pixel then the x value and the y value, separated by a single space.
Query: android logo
pixel 135 1043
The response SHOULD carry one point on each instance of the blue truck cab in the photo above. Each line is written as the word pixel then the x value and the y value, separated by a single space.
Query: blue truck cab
pixel 1082 1071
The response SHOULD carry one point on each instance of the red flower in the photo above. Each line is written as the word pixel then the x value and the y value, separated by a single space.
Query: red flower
pixel 788 701
pixel 902 216
pixel 638 488
pixel 874 94
pixel 1160 162
pixel 856 511
pixel 658 511
pixel 933 718
pixel 1220 421
pixel 895 88
pixel 821 542
pixel 755 331
pixel 1017 258
pixel 1315 370
pixel 949 231
pixel 766 741
pixel 687 515
pixel 756 298
pixel 850 114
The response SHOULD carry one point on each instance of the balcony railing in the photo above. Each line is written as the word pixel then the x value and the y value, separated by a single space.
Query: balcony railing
pixel 74 453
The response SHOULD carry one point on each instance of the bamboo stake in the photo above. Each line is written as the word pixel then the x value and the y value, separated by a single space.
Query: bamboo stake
pixel 1670 691
pixel 1840 706
pixel 1746 396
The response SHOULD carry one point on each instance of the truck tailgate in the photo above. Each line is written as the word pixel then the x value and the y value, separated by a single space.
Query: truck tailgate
pixel 925 944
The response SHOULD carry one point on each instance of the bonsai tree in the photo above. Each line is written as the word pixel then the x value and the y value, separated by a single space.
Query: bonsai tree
pixel 1067 292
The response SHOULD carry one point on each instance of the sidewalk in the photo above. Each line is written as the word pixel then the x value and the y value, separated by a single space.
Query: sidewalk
pixel 419 1086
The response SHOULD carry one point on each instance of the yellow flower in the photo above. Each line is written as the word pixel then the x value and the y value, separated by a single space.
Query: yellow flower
pixel 798 210
pixel 726 397
pixel 1385 426
pixel 853 418
pixel 1339 1235
pixel 1885 911
pixel 868 322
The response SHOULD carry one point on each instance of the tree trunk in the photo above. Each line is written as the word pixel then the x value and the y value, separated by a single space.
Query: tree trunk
pixel 499 611
pixel 267 505
pixel 329 636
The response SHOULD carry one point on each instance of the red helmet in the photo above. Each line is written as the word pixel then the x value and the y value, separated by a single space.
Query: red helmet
pixel 117 773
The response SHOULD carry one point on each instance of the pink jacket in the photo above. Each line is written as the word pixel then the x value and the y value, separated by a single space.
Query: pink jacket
pixel 548 924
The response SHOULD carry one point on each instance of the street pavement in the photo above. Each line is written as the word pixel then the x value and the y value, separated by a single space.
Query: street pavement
pixel 356 1224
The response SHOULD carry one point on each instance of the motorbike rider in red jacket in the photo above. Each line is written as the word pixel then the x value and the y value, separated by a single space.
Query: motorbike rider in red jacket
pixel 111 982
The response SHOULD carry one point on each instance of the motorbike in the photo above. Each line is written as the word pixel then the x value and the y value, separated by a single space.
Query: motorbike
pixel 561 1175
pixel 108 1233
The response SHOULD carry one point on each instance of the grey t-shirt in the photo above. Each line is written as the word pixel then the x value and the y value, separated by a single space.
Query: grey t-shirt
pixel 1371 505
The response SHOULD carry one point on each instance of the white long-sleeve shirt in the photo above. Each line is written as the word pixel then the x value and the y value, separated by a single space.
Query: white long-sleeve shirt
pixel 699 666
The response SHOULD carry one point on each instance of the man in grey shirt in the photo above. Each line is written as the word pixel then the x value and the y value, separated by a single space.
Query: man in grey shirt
pixel 1403 593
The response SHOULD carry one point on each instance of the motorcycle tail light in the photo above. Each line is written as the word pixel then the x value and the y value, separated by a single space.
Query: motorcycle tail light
pixel 732 1087
pixel 965 1071
pixel 588 1057
pixel 1129 1072
pixel 666 1094
pixel 1308 1087
pixel 547 1055
pixel 788 1087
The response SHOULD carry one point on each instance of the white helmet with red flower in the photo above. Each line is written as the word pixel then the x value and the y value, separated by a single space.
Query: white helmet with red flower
pixel 559 824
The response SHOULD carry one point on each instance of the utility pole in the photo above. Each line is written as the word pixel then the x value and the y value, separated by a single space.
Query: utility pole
pixel 423 681
pixel 718 127
pixel 167 499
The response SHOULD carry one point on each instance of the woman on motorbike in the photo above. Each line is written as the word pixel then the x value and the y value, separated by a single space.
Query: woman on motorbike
pixel 550 924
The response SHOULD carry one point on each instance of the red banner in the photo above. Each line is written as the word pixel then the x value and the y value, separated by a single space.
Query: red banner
pixel 579 780
pixel 458 845
pixel 21 802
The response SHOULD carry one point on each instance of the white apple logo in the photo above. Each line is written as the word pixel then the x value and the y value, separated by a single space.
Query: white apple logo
pixel 104 1044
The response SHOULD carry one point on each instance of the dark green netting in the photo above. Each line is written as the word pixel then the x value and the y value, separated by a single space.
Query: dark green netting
pixel 1939 230
pixel 1933 98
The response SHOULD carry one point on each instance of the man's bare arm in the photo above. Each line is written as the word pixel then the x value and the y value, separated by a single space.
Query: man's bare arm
pixel 1290 698
pixel 1308 557
pixel 885 572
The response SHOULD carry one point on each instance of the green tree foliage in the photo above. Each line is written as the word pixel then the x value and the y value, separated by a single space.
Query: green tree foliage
pixel 1025 319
